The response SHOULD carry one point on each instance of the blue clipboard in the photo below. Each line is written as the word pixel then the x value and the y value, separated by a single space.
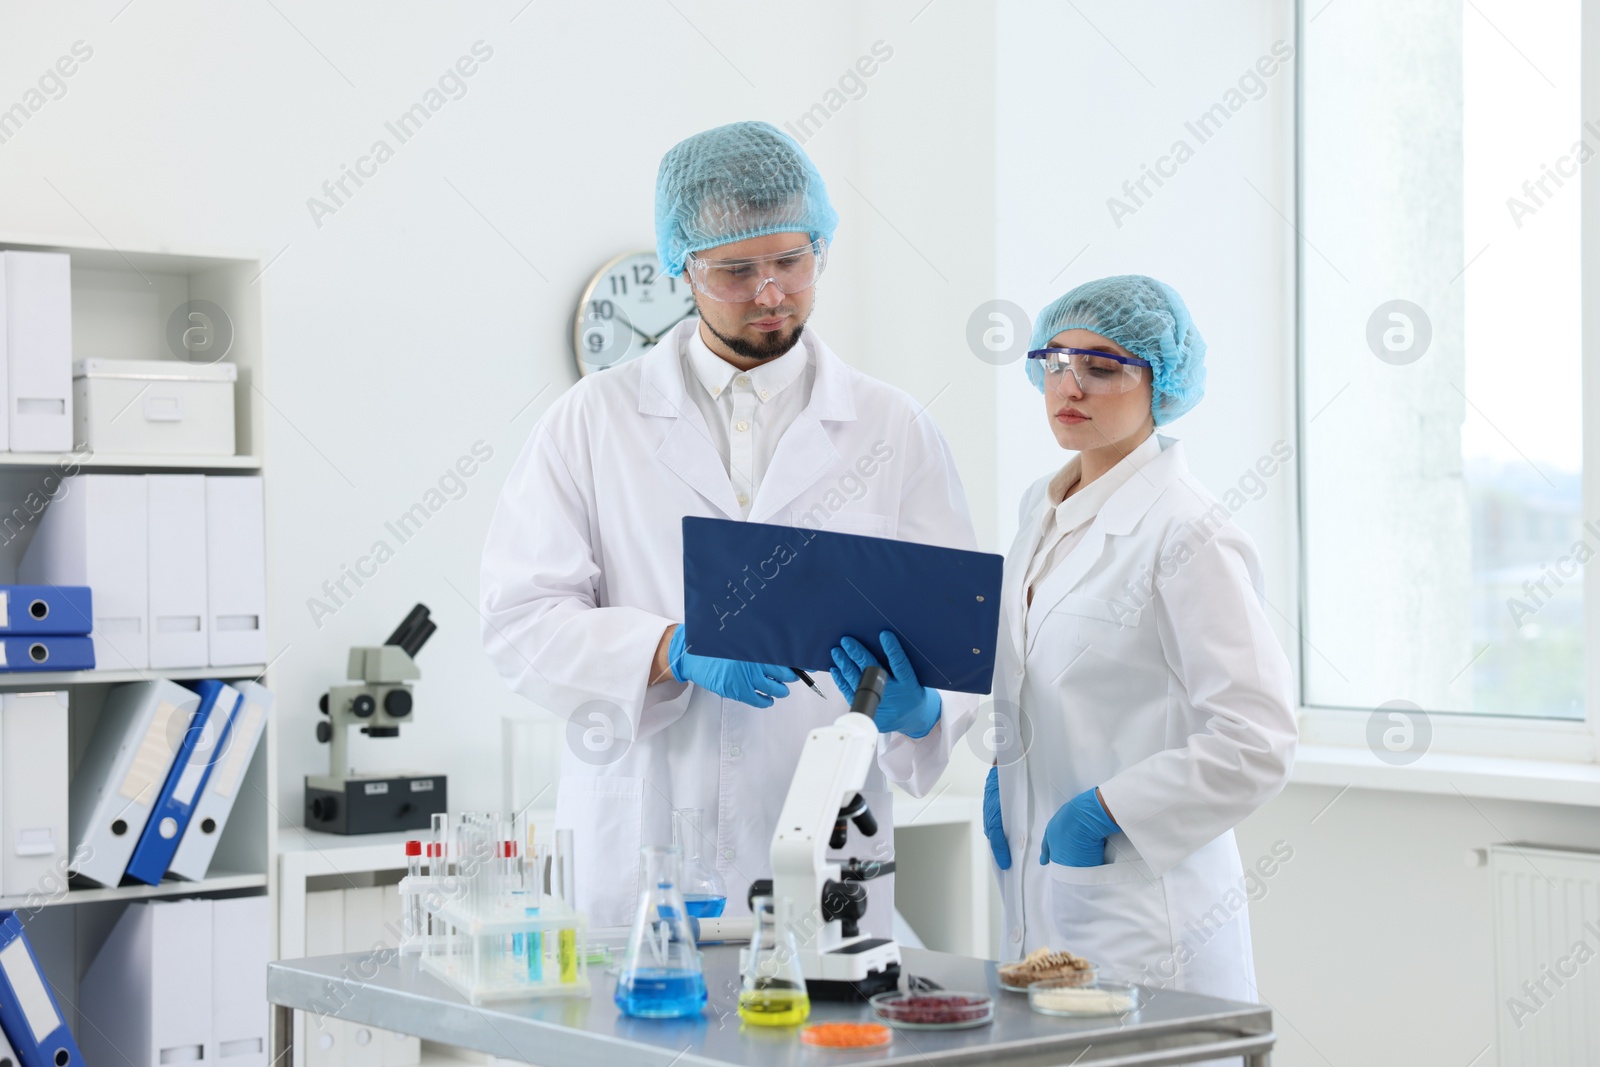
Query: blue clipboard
pixel 786 594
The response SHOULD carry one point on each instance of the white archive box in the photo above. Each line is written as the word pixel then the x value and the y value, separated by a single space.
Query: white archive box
pixel 34 768
pixel 162 406
pixel 38 327
pixel 176 512
pixel 236 570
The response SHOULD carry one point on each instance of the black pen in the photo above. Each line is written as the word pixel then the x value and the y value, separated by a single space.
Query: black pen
pixel 806 678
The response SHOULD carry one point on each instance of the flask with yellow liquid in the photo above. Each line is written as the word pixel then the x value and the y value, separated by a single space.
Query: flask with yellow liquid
pixel 774 990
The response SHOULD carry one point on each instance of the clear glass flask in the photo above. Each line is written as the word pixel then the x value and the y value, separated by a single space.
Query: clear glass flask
pixel 704 892
pixel 774 990
pixel 661 974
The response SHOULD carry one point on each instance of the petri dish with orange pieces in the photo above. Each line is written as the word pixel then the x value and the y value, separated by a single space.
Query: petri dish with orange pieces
pixel 846 1035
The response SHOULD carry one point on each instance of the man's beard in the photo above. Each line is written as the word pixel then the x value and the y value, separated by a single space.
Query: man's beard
pixel 771 345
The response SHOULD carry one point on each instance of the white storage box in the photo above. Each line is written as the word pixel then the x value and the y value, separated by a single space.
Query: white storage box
pixel 153 405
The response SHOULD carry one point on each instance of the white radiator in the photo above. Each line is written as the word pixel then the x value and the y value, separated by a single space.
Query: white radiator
pixel 1547 956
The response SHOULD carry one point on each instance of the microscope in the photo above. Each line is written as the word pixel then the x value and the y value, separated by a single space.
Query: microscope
pixel 828 899
pixel 378 702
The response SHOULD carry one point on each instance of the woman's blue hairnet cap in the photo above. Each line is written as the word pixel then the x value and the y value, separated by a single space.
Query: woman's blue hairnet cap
pixel 1146 317
pixel 746 179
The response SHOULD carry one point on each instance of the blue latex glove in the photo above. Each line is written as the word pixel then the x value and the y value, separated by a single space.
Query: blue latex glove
pixel 756 684
pixel 907 705
pixel 993 827
pixel 1076 836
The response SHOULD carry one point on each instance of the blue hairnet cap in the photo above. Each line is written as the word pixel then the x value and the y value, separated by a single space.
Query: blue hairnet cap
pixel 746 179
pixel 1146 317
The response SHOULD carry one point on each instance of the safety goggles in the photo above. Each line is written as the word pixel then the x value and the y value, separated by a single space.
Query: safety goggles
pixel 1097 373
pixel 738 281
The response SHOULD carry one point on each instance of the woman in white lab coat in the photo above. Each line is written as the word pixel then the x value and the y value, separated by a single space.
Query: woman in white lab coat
pixel 1154 699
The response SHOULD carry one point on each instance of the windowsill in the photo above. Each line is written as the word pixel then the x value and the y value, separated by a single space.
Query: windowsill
pixel 1495 777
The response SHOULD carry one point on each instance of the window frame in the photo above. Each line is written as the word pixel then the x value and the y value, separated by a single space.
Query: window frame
pixel 1466 733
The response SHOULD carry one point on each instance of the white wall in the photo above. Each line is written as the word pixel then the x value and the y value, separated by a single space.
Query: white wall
pixel 415 321
pixel 1374 943
pixel 1078 114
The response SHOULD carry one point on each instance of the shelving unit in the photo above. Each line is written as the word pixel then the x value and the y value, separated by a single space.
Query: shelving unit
pixel 213 883
pixel 939 841
pixel 91 462
pixel 122 300
pixel 58 679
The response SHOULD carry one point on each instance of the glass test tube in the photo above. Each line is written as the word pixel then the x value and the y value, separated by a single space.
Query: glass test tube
pixel 437 831
pixel 413 921
pixel 535 901
pixel 519 881
pixel 567 953
pixel 435 857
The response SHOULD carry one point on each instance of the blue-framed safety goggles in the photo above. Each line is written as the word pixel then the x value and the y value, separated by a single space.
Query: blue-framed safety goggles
pixel 1096 373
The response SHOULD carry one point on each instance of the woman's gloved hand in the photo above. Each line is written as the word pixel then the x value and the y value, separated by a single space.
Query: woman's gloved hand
pixel 1076 836
pixel 993 827
pixel 756 684
pixel 907 705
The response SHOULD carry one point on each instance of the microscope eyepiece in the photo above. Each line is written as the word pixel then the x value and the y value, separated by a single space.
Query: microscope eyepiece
pixel 869 692
pixel 413 631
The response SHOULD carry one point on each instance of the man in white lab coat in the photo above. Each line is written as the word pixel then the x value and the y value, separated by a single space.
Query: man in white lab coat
pixel 741 414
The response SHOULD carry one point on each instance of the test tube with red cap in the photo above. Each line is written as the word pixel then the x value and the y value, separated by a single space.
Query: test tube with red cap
pixel 513 895
pixel 435 855
pixel 414 872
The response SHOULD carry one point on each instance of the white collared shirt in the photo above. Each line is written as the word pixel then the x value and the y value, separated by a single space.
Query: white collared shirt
pixel 747 412
pixel 1072 515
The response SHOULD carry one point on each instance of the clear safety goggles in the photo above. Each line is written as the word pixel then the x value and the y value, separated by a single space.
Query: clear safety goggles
pixel 738 281
pixel 1097 373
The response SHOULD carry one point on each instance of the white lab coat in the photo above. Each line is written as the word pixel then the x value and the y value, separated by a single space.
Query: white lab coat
pixel 583 571
pixel 1149 671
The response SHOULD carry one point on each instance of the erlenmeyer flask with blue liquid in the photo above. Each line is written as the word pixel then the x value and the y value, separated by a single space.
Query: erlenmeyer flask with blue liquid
pixel 661 974
pixel 704 892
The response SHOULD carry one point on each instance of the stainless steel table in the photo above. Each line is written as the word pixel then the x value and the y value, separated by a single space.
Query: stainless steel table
pixel 378 990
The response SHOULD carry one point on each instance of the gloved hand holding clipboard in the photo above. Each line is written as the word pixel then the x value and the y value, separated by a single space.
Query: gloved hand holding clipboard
pixel 787 594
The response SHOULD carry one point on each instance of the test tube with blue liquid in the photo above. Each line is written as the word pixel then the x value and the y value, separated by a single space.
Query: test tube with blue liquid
pixel 531 949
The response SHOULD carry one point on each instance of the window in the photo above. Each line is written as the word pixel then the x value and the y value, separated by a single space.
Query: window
pixel 1443 531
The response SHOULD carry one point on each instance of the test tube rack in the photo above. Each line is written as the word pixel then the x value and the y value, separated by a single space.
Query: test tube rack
pixel 494 953
pixel 481 918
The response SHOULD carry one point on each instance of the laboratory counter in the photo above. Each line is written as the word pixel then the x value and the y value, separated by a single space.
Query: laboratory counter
pixel 383 990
